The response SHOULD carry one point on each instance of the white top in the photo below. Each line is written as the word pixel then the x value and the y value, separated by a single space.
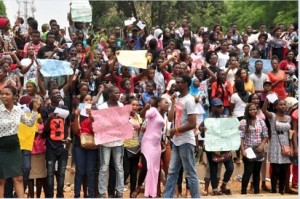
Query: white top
pixel 239 105
pixel 31 74
pixel 259 81
pixel 223 58
pixel 185 106
pixel 113 143
pixel 231 75
pixel 10 121
pixel 187 45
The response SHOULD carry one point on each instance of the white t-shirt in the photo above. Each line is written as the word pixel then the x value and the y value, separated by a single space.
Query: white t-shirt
pixel 184 106
pixel 239 105
pixel 231 75
pixel 31 74
pixel 259 81
pixel 187 45
pixel 223 58
pixel 114 143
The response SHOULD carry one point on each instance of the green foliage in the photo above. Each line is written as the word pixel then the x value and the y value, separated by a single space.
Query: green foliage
pixel 204 13
pixel 2 8
pixel 253 13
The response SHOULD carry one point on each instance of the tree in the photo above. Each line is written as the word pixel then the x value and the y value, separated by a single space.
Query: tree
pixel 253 13
pixel 199 13
pixel 2 8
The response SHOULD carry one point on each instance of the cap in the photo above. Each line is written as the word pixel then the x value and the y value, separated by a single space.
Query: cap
pixel 267 82
pixel 216 102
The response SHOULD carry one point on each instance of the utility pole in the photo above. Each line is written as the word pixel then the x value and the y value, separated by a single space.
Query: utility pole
pixel 26 9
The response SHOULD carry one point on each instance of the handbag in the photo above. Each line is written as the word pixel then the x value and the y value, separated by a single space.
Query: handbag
pixel 259 156
pixel 224 156
pixel 133 151
pixel 39 145
pixel 87 141
pixel 285 150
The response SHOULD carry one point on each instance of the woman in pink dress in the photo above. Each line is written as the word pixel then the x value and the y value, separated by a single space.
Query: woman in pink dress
pixel 151 146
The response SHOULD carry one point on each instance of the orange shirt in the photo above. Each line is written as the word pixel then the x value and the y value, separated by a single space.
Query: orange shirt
pixel 279 88
pixel 218 91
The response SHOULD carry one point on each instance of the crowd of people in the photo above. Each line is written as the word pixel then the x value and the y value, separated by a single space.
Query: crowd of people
pixel 189 77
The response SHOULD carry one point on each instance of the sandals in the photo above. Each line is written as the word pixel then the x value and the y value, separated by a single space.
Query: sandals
pixel 217 193
pixel 204 193
pixel 226 191
pixel 135 193
pixel 290 191
pixel 295 186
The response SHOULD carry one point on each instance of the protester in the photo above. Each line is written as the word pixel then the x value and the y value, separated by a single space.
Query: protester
pixel 254 134
pixel 11 115
pixel 179 68
pixel 183 139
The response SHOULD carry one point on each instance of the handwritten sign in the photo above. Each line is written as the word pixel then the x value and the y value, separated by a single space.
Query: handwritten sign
pixel 133 58
pixel 81 11
pixel 112 124
pixel 55 68
pixel 222 134
pixel 267 67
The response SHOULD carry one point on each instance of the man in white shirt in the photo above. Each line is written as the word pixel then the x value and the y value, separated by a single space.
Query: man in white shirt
pixel 29 66
pixel 183 139
pixel 258 77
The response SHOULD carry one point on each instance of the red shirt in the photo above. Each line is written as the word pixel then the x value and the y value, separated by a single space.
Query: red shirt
pixel 279 88
pixel 118 80
pixel 217 91
pixel 86 126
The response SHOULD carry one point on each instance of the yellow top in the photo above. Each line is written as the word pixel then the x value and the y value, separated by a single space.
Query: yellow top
pixel 136 123
pixel 249 86
pixel 26 134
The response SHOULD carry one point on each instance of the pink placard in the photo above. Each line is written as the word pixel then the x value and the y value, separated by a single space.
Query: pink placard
pixel 112 124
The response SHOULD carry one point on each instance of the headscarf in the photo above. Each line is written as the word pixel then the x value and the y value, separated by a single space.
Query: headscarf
pixel 156 34
pixel 193 89
pixel 171 82
pixel 240 90
pixel 3 22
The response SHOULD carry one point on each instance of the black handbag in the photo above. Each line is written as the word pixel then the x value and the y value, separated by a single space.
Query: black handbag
pixel 133 151
pixel 259 156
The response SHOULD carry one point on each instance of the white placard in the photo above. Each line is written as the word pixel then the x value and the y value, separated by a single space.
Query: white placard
pixel 272 97
pixel 250 153
pixel 63 113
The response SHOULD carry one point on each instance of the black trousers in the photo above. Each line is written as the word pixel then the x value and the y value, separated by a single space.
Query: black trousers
pixel 251 168
pixel 278 173
pixel 130 166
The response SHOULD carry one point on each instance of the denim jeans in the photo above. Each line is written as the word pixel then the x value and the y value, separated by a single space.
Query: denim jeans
pixel 60 155
pixel 214 170
pixel 26 166
pixel 182 155
pixel 85 161
pixel 118 153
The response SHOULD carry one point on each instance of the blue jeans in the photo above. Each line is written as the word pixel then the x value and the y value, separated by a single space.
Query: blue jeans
pixel 26 166
pixel 60 155
pixel 182 155
pixel 214 170
pixel 118 153
pixel 85 161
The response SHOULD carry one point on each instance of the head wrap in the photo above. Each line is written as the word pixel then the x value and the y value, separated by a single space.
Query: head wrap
pixel 3 22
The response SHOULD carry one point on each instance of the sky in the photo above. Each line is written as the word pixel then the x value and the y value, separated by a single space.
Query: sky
pixel 45 11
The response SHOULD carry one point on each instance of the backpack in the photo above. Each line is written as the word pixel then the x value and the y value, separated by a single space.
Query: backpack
pixel 57 129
